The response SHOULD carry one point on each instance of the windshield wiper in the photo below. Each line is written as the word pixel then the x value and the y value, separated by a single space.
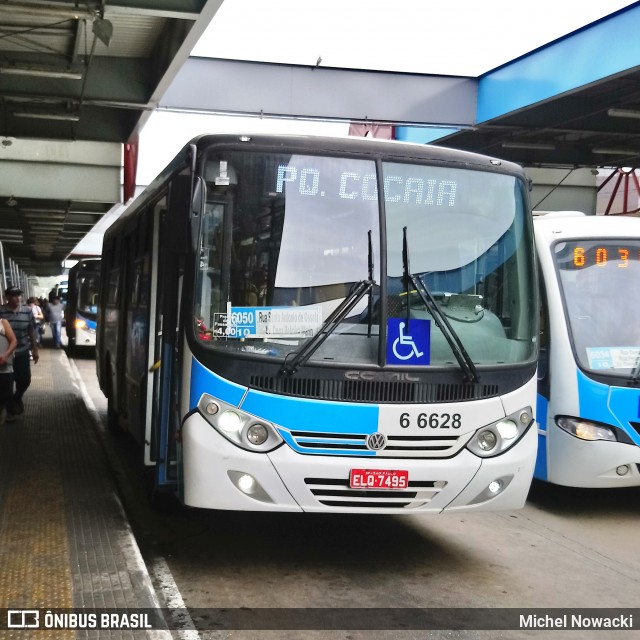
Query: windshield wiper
pixel 372 281
pixel 464 359
pixel 358 291
pixel 635 374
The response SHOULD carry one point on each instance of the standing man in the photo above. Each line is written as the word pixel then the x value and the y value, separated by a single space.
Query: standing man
pixel 20 317
pixel 56 314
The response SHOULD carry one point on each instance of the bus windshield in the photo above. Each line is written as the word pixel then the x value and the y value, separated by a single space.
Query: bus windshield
pixel 285 238
pixel 88 286
pixel 602 320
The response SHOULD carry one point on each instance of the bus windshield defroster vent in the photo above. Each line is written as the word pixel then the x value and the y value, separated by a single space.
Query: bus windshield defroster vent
pixel 379 391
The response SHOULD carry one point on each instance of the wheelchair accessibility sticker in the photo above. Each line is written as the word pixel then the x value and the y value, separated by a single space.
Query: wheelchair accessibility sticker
pixel 408 342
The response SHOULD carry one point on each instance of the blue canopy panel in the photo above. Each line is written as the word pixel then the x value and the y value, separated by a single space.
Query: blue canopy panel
pixel 595 52
pixel 423 135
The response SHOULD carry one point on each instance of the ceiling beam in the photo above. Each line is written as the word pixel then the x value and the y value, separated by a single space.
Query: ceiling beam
pixel 206 85
pixel 66 170
pixel 179 57
pixel 57 11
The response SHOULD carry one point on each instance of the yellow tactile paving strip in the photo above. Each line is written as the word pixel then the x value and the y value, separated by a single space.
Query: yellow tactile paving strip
pixel 34 557
pixel 34 545
pixel 64 541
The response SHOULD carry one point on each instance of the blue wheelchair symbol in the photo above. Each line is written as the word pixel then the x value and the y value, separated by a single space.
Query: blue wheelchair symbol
pixel 408 342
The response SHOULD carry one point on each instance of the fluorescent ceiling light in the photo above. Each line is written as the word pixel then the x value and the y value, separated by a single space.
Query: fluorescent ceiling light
pixel 616 152
pixel 48 115
pixel 529 145
pixel 43 72
pixel 623 113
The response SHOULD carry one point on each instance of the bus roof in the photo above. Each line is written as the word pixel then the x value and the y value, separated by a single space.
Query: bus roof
pixel 554 226
pixel 314 144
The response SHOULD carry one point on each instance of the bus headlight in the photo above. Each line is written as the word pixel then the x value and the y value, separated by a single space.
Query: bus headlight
pixel 80 324
pixel 487 440
pixel 239 427
pixel 586 429
pixel 257 434
pixel 230 422
pixel 497 437
pixel 508 429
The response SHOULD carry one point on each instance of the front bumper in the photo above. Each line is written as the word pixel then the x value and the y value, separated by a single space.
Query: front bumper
pixel 592 464
pixel 289 481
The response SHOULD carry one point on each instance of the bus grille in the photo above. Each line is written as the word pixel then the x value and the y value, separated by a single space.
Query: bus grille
pixel 378 391
pixel 397 446
pixel 332 492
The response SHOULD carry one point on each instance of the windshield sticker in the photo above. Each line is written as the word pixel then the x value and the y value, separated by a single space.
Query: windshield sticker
pixel 613 357
pixel 408 341
pixel 265 322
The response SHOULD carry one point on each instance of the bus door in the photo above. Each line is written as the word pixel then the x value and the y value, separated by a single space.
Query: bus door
pixel 544 384
pixel 166 352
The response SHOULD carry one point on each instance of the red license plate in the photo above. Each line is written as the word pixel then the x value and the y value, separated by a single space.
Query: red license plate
pixel 379 479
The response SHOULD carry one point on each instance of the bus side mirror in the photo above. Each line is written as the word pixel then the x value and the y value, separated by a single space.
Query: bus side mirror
pixel 196 212
pixel 178 208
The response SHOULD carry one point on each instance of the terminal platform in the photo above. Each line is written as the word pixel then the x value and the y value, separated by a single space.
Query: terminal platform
pixel 65 541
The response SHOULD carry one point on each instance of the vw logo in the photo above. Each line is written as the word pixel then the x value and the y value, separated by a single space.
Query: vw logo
pixel 376 441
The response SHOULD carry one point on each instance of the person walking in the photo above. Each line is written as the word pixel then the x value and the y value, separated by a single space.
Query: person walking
pixel 39 316
pixel 20 317
pixel 8 345
pixel 56 313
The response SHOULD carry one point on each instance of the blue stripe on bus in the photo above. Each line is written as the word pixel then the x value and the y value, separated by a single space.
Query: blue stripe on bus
pixel 320 416
pixel 593 399
pixel 91 324
pixel 317 451
pixel 204 380
pixel 625 403
pixel 611 405
pixel 542 406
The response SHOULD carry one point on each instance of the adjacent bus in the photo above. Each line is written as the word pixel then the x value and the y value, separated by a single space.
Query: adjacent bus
pixel 60 291
pixel 589 375
pixel 296 323
pixel 81 308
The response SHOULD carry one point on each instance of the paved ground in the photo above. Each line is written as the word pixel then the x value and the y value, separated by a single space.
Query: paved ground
pixel 65 541
pixel 566 548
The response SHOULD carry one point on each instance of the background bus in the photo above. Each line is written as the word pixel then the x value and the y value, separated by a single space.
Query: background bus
pixel 81 309
pixel 294 323
pixel 60 291
pixel 589 374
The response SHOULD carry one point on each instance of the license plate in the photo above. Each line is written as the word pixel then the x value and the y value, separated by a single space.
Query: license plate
pixel 379 479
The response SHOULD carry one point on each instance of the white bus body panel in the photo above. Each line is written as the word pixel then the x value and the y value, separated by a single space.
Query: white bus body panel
pixel 579 463
pixel 85 337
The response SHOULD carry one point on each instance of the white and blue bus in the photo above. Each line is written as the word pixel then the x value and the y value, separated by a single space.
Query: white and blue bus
pixel 589 374
pixel 81 308
pixel 296 323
